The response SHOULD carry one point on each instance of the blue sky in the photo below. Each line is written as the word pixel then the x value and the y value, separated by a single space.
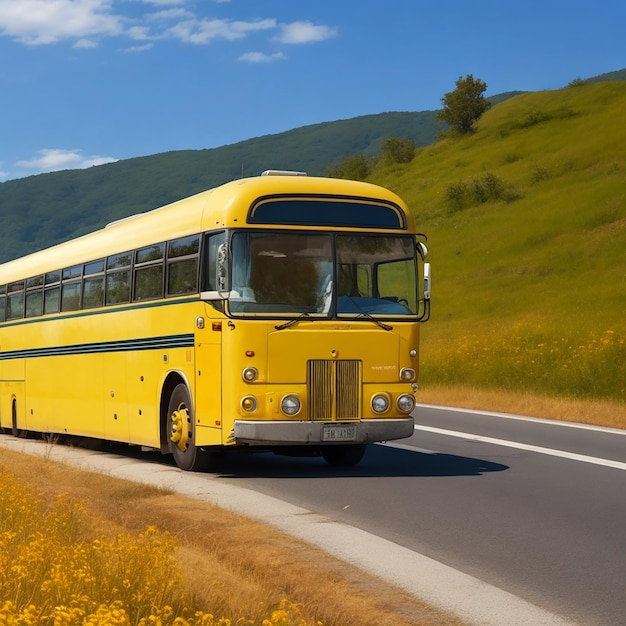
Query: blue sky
pixel 85 82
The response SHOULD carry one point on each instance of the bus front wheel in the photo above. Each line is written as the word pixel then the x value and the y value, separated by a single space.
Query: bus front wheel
pixel 181 431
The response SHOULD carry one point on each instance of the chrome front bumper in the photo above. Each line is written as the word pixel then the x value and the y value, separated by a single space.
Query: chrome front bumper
pixel 277 433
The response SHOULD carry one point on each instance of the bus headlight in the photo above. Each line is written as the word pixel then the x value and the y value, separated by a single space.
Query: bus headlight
pixel 407 374
pixel 250 374
pixel 380 403
pixel 406 403
pixel 248 404
pixel 290 405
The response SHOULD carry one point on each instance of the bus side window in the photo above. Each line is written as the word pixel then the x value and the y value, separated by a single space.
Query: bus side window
pixel 51 300
pixel 118 278
pixel 34 296
pixel 15 300
pixel 70 288
pixel 93 284
pixel 3 303
pixel 70 296
pixel 52 292
pixel 149 272
pixel 182 265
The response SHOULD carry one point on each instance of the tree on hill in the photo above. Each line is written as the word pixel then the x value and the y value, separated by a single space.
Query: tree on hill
pixel 465 105
pixel 397 150
pixel 356 167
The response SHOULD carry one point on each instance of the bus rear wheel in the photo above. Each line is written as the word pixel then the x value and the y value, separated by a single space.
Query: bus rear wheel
pixel 16 431
pixel 344 456
pixel 181 432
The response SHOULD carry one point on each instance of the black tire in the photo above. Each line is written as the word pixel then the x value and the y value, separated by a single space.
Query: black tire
pixel 344 456
pixel 181 432
pixel 15 430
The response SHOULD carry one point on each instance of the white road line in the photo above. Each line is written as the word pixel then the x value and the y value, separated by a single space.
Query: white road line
pixel 525 446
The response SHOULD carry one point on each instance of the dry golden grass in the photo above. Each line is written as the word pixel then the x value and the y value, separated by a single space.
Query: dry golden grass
pixel 597 412
pixel 233 567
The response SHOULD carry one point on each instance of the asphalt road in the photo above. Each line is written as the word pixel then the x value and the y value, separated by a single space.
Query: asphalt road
pixel 473 513
pixel 537 509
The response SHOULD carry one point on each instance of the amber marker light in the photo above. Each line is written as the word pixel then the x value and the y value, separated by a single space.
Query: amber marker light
pixel 248 404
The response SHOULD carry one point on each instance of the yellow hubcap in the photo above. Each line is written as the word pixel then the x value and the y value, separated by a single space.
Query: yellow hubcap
pixel 180 427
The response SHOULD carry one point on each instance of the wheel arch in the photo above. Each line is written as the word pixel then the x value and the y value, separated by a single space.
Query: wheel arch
pixel 172 379
pixel 16 431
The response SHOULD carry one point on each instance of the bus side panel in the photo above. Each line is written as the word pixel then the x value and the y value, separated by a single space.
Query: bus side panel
pixel 115 397
pixel 147 372
pixel 12 369
pixel 12 388
pixel 208 387
pixel 65 394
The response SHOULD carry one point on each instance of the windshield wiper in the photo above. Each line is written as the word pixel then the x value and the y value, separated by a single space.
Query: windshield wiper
pixel 305 316
pixel 373 319
pixel 295 320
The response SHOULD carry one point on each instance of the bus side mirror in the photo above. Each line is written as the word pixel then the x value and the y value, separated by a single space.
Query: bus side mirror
pixel 426 281
pixel 220 279
pixel 422 250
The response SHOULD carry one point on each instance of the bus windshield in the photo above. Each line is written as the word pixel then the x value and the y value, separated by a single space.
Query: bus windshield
pixel 323 274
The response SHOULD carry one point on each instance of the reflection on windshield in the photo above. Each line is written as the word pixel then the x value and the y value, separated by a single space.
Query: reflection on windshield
pixel 376 275
pixel 280 273
pixel 293 273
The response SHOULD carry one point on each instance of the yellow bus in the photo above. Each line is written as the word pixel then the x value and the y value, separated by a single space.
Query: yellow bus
pixel 279 312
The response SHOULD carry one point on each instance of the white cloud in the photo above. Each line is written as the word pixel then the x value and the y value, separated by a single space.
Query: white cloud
pixel 261 57
pixel 143 48
pixel 305 32
pixel 204 31
pixel 85 43
pixel 169 14
pixel 139 33
pixel 52 160
pixel 87 22
pixel 36 22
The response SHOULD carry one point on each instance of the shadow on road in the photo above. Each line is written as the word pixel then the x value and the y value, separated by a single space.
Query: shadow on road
pixel 379 461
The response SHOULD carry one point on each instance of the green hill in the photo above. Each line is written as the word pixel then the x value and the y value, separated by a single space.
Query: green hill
pixel 527 227
pixel 39 211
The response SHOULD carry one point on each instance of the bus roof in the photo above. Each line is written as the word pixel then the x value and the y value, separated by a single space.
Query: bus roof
pixel 225 206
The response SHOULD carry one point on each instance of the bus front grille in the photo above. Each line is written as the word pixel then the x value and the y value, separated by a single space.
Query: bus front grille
pixel 333 389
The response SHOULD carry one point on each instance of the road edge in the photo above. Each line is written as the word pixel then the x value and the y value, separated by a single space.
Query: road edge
pixel 470 599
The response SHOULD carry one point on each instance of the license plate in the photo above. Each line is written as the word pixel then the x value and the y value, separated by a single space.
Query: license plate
pixel 339 432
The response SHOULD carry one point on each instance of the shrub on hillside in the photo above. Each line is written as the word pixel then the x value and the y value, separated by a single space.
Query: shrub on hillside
pixel 485 188
pixel 357 167
pixel 397 150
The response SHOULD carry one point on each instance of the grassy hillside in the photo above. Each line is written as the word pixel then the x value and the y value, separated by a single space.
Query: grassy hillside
pixel 527 230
